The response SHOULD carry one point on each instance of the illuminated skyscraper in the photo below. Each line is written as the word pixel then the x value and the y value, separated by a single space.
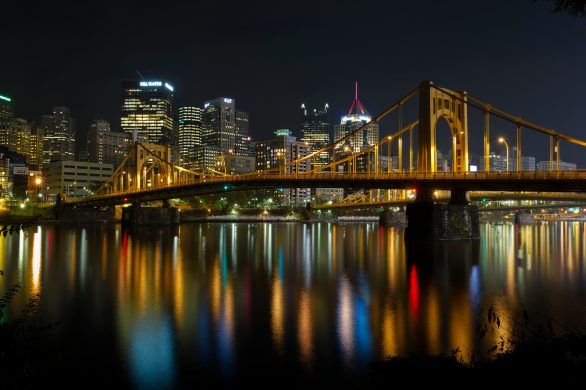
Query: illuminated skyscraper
pixel 147 107
pixel 6 109
pixel 15 134
pixel 190 132
pixel 225 131
pixel 315 130
pixel 105 146
pixel 59 136
pixel 18 136
pixel 281 151
pixel 357 116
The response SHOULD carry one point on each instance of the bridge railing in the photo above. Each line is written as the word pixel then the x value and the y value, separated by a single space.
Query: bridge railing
pixel 345 177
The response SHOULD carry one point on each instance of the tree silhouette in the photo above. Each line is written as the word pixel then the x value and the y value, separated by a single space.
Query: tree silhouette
pixel 573 7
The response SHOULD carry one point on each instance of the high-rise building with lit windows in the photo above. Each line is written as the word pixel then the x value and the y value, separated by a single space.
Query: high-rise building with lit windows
pixel 105 146
pixel 19 136
pixel 15 134
pixel 6 108
pixel 356 117
pixel 280 152
pixel 224 131
pixel 315 130
pixel 190 132
pixel 147 107
pixel 59 135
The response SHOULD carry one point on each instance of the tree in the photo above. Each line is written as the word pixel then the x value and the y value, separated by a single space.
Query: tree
pixel 573 7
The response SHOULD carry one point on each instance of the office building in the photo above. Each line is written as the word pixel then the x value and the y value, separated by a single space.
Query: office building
pixel 500 162
pixel 236 165
pixel 315 130
pixel 324 195
pixel 147 107
pixel 36 145
pixel 9 162
pixel 279 152
pixel 356 117
pixel 243 139
pixel 545 166
pixel 6 108
pixel 4 174
pixel 19 136
pixel 58 135
pixel 225 130
pixel 75 178
pixel 15 134
pixel 190 132
pixel 105 146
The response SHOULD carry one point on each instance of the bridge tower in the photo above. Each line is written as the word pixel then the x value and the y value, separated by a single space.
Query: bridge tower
pixel 145 166
pixel 435 104
pixel 428 220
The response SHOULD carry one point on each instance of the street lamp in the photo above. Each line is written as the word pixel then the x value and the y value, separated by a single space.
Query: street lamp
pixel 38 182
pixel 503 141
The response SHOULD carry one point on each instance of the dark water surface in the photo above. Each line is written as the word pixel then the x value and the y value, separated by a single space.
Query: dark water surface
pixel 219 305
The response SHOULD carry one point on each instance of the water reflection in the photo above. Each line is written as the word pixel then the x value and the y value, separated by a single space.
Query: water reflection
pixel 228 301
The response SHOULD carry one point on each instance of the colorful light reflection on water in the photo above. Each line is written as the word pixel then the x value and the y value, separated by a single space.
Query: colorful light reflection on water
pixel 200 303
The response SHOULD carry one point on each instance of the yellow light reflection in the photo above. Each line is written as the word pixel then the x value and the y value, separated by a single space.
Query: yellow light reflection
pixel 277 314
pixel 229 312
pixel 304 329
pixel 433 322
pixel 178 284
pixel 216 287
pixel 389 332
pixel 104 259
pixel 460 324
pixel 36 266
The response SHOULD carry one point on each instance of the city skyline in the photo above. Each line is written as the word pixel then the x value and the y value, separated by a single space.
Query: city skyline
pixel 278 59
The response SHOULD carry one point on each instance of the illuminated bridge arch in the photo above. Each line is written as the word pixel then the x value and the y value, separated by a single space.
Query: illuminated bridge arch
pixel 435 104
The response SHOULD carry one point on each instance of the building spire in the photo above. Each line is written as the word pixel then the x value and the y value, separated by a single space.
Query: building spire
pixel 357 108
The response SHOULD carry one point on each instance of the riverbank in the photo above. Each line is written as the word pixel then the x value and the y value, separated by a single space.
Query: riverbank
pixel 187 217
pixel 536 361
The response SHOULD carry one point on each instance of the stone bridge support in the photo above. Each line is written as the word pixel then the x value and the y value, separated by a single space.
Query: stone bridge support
pixel 392 218
pixel 136 215
pixel 427 220
pixel 523 217
pixel 85 214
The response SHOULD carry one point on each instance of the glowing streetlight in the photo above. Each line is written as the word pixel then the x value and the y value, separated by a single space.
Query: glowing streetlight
pixel 503 141
pixel 38 182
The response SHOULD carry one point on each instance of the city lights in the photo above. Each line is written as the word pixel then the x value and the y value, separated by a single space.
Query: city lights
pixel 242 231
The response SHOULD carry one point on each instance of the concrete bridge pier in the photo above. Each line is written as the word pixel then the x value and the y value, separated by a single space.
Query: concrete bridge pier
pixel 87 214
pixel 136 215
pixel 392 218
pixel 524 217
pixel 427 220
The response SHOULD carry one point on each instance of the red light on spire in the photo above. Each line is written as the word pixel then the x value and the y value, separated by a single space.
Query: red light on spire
pixel 360 110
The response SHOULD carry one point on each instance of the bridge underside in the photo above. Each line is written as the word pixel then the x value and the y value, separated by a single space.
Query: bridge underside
pixel 465 182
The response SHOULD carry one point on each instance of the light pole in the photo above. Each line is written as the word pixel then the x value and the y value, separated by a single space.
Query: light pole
pixel 503 141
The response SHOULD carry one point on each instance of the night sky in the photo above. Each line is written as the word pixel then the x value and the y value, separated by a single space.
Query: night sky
pixel 272 56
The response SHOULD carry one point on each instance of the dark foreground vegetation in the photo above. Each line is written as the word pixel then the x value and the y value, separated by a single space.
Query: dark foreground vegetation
pixel 535 355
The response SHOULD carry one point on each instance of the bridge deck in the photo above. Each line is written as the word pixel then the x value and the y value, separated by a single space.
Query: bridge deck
pixel 557 181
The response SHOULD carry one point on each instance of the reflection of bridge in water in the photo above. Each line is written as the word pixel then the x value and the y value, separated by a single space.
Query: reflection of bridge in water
pixel 146 173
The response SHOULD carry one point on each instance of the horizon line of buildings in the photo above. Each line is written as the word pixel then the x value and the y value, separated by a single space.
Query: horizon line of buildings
pixel 215 135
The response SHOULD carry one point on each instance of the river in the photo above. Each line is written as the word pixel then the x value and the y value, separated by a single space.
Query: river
pixel 222 304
